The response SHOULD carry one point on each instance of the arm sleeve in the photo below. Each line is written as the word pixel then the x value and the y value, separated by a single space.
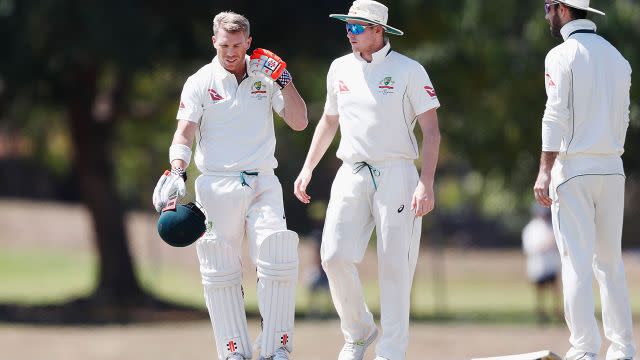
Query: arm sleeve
pixel 277 100
pixel 191 102
pixel 421 92
pixel 331 105
pixel 626 111
pixel 557 114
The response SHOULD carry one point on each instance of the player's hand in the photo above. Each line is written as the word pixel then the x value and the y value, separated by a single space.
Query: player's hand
pixel 300 186
pixel 423 200
pixel 267 63
pixel 170 184
pixel 541 189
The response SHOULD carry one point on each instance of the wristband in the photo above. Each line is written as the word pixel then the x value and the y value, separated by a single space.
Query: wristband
pixel 180 152
pixel 284 79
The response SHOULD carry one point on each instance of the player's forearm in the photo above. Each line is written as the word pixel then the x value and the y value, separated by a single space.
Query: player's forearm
pixel 430 150
pixel 322 137
pixel 181 144
pixel 295 110
pixel 547 159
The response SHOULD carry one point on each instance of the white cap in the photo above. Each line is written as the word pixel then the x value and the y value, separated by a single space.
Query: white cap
pixel 580 4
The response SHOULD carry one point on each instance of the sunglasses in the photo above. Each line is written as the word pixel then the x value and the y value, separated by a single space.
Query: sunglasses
pixel 547 6
pixel 357 29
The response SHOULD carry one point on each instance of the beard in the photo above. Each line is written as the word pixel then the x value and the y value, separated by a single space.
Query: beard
pixel 555 25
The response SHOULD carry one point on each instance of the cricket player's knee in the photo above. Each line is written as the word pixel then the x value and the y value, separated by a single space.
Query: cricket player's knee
pixel 219 263
pixel 277 256
pixel 334 261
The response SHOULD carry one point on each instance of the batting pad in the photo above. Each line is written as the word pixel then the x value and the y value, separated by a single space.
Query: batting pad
pixel 538 355
pixel 277 260
pixel 222 279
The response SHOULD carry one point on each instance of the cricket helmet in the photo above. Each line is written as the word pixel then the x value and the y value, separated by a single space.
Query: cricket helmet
pixel 181 225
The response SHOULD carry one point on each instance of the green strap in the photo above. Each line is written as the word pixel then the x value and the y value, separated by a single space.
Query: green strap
pixel 372 171
pixel 242 178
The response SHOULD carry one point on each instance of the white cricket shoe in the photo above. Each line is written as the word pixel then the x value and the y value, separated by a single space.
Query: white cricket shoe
pixel 235 356
pixel 355 350
pixel 587 356
pixel 280 354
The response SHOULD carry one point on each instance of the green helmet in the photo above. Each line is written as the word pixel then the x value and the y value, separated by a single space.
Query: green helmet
pixel 181 225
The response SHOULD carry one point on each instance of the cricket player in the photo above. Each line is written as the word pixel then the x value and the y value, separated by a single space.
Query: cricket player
pixel 228 106
pixel 375 96
pixel 581 176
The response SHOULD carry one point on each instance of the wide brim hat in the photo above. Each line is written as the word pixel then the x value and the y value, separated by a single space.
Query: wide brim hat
pixel 581 4
pixel 371 12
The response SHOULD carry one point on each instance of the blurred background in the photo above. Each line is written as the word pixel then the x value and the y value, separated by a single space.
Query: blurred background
pixel 88 96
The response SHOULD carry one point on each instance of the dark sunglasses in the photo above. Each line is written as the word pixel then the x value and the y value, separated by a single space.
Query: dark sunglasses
pixel 357 29
pixel 547 6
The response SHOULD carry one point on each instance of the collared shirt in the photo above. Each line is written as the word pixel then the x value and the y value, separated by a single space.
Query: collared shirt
pixel 377 104
pixel 235 130
pixel 587 112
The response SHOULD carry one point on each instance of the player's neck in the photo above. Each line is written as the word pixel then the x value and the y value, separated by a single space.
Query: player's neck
pixel 367 54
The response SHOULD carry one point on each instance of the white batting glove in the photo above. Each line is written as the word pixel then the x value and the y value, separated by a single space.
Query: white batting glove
pixel 170 184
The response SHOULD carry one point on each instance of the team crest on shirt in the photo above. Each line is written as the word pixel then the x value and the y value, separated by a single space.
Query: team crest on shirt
pixel 258 90
pixel 385 86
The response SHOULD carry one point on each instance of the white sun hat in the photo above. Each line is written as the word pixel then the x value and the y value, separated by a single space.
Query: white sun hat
pixel 580 4
pixel 371 12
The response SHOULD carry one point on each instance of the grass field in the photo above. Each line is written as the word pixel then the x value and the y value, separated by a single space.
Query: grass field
pixel 470 292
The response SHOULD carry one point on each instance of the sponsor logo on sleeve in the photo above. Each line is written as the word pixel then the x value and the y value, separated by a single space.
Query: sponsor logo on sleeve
pixel 430 91
pixel 182 106
pixel 342 87
pixel 550 82
pixel 214 95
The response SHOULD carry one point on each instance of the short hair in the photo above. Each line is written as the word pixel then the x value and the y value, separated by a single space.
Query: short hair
pixel 230 22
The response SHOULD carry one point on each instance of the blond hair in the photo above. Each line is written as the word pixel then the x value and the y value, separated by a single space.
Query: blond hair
pixel 230 22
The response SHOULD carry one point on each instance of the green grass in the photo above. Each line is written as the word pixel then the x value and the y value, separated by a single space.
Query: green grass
pixel 42 277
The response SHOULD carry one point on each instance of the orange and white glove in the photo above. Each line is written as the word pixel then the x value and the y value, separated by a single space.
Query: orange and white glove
pixel 267 63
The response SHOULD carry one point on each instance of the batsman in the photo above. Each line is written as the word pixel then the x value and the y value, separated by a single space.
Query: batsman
pixel 228 107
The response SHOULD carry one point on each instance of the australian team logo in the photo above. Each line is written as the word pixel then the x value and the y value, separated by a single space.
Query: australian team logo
pixel 385 86
pixel 258 90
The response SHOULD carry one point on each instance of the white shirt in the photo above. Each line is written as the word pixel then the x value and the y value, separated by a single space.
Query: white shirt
pixel 377 104
pixel 539 246
pixel 235 130
pixel 587 112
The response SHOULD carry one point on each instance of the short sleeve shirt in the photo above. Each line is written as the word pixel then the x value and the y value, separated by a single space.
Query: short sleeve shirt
pixel 377 104
pixel 235 120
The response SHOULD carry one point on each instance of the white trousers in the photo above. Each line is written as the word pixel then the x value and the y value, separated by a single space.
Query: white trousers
pixel 355 207
pixel 254 211
pixel 235 212
pixel 587 214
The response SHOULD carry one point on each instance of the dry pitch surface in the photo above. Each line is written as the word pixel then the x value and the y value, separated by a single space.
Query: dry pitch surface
pixel 314 341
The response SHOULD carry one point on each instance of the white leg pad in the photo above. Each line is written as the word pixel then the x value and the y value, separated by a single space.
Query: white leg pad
pixel 277 260
pixel 222 279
